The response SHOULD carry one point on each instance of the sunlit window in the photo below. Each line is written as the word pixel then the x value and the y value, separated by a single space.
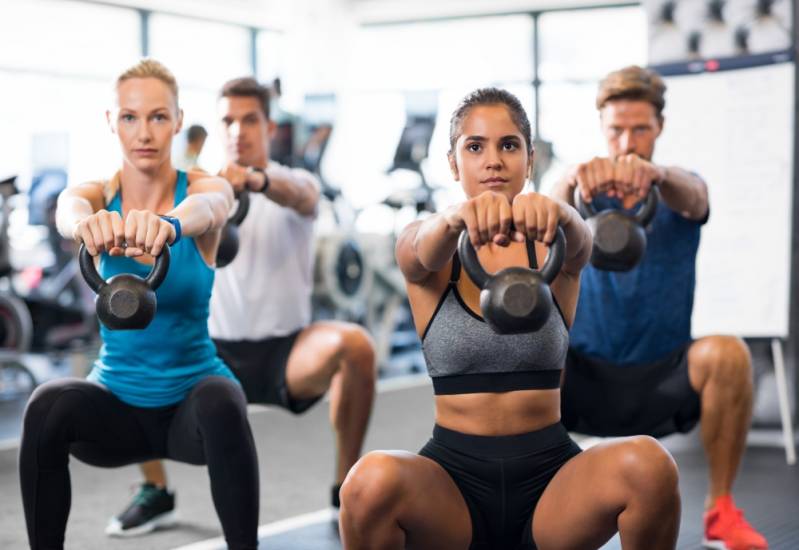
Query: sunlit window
pixel 43 35
pixel 586 44
pixel 200 53
pixel 469 52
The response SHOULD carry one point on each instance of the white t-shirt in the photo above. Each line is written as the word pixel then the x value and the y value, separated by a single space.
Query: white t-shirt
pixel 266 290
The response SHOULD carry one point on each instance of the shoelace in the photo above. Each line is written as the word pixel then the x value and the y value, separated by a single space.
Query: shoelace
pixel 147 496
pixel 740 520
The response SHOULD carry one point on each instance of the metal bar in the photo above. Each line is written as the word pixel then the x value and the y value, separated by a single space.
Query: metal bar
pixel 254 51
pixel 144 36
pixel 195 17
pixel 784 403
pixel 444 18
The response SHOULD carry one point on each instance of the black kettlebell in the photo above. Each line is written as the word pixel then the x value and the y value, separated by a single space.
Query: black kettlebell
pixel 619 237
pixel 229 241
pixel 125 301
pixel 516 299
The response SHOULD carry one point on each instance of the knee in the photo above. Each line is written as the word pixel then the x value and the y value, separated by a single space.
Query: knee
pixel 723 357
pixel 220 402
pixel 351 344
pixel 45 398
pixel 647 468
pixel 371 488
pixel 359 349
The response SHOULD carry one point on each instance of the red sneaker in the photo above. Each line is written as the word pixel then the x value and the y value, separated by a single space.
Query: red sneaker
pixel 726 528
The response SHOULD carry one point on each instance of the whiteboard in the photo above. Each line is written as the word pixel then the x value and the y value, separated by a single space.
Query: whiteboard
pixel 735 129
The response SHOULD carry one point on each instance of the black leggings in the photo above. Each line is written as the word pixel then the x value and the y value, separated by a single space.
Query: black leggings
pixel 78 417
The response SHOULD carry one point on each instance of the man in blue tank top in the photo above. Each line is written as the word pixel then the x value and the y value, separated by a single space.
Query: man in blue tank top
pixel 633 367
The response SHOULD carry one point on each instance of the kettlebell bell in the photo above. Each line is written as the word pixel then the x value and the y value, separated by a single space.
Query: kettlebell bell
pixel 619 237
pixel 516 299
pixel 229 241
pixel 125 301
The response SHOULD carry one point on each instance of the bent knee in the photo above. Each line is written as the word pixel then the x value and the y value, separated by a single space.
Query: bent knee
pixel 219 400
pixel 55 393
pixel 372 486
pixel 646 466
pixel 720 349
pixel 724 356
pixel 350 343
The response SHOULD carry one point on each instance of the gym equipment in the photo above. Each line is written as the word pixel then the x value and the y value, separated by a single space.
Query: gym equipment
pixel 516 299
pixel 125 301
pixel 619 237
pixel 229 241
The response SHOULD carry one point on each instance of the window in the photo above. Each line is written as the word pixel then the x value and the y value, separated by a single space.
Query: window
pixel 570 72
pixel 199 53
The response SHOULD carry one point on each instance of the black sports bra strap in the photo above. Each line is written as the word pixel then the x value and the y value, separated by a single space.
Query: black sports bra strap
pixel 456 268
pixel 531 257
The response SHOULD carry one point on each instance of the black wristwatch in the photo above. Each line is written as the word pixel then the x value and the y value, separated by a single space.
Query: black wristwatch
pixel 266 178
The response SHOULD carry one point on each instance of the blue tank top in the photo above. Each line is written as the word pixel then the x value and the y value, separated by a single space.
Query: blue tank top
pixel 644 314
pixel 159 365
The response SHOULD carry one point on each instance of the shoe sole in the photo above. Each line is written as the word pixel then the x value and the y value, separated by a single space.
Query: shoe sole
pixel 114 528
pixel 713 544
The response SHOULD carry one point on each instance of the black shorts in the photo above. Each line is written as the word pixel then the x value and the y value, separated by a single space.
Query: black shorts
pixel 501 479
pixel 260 366
pixel 604 399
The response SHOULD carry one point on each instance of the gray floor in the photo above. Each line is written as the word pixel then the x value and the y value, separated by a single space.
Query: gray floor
pixel 296 462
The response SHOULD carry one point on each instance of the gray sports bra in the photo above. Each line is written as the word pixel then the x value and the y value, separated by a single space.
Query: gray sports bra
pixel 464 355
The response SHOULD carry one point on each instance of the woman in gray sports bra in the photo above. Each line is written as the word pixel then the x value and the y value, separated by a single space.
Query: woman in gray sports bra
pixel 500 471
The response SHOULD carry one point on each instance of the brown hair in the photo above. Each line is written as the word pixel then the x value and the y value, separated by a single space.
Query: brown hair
pixel 634 83
pixel 150 68
pixel 490 96
pixel 247 87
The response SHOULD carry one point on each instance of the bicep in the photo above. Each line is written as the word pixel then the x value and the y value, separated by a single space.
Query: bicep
pixel 310 191
pixel 566 292
pixel 93 192
pixel 203 183
pixel 407 258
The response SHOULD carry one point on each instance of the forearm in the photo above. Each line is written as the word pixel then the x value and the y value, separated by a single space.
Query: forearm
pixel 684 192
pixel 564 189
pixel 71 209
pixel 295 189
pixel 578 239
pixel 200 213
pixel 435 241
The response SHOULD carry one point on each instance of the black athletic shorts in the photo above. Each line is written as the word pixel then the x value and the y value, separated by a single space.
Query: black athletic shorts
pixel 260 366
pixel 604 399
pixel 501 479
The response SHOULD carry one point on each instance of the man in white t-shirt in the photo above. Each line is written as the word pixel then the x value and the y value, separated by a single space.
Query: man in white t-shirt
pixel 261 306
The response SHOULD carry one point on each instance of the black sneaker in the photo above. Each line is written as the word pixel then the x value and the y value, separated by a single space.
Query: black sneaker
pixel 335 505
pixel 151 508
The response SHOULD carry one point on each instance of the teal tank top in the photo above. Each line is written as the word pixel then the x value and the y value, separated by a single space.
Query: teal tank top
pixel 158 366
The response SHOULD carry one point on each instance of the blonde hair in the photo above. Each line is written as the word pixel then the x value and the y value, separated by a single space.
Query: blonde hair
pixel 633 83
pixel 150 68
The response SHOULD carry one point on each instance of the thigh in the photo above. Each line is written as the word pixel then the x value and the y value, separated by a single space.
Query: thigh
pixel 99 429
pixel 429 506
pixel 207 410
pixel 579 507
pixel 314 359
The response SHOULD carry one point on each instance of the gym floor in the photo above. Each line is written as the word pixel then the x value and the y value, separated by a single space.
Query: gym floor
pixel 296 461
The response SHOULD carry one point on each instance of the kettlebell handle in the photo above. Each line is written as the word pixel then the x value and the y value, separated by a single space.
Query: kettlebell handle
pixel 550 269
pixel 154 278
pixel 643 216
pixel 242 208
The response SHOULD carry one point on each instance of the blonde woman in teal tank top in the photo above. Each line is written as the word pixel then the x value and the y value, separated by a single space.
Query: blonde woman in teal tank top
pixel 159 392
